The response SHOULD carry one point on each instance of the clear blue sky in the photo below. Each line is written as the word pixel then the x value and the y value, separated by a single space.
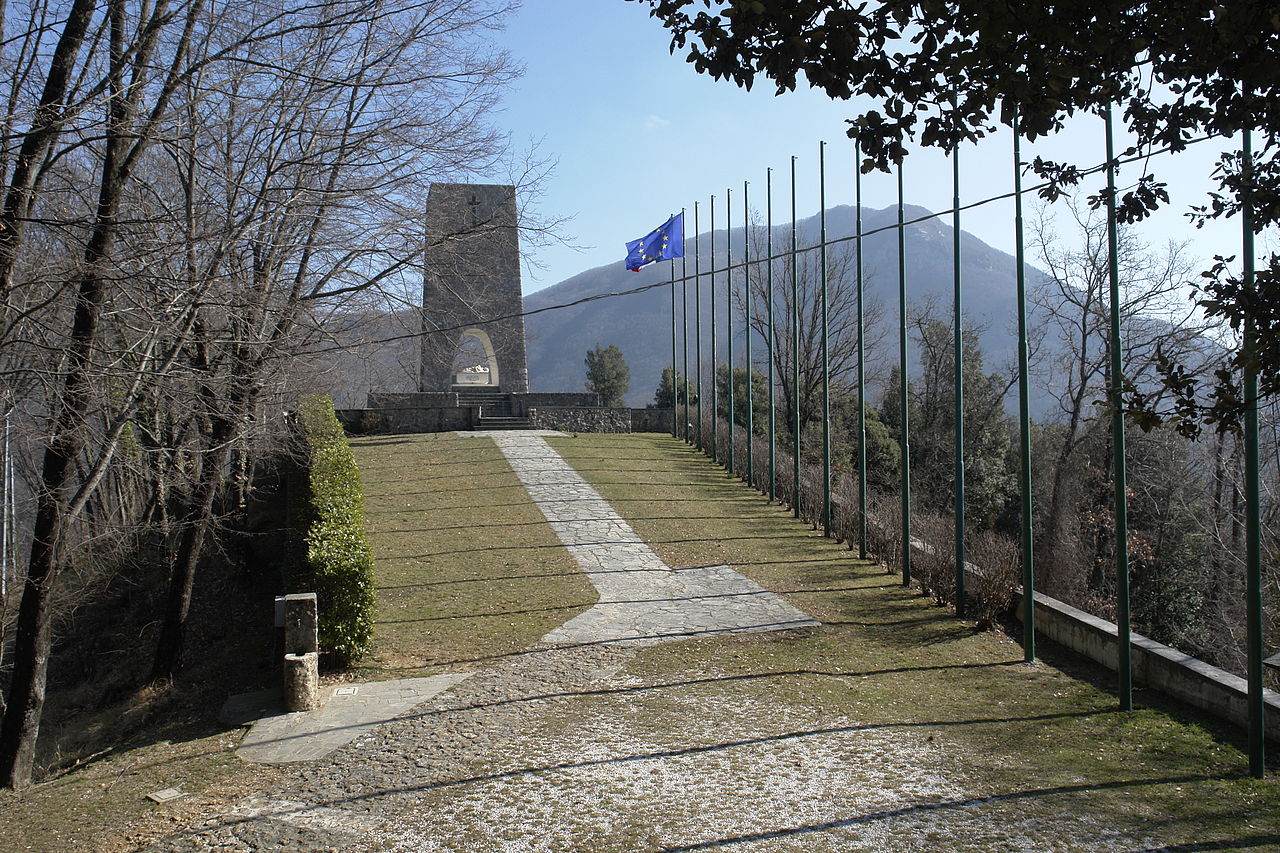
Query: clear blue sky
pixel 639 135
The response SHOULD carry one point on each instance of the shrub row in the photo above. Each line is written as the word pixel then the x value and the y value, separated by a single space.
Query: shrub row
pixel 334 558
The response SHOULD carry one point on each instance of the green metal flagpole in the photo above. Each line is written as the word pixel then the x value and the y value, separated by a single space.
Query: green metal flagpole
pixel 675 374
pixel 773 391
pixel 795 351
pixel 1117 436
pixel 862 385
pixel 715 346
pixel 697 320
pixel 904 413
pixel 1252 496
pixel 728 322
pixel 959 379
pixel 1024 411
pixel 684 298
pixel 746 261
pixel 826 375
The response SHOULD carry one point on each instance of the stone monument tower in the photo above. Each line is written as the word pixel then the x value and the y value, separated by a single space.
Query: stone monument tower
pixel 471 303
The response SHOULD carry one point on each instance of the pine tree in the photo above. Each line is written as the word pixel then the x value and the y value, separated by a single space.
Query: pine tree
pixel 608 374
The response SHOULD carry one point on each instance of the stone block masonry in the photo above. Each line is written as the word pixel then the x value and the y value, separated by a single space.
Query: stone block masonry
pixel 301 671
pixel 599 419
pixel 651 420
pixel 471 286
pixel 407 419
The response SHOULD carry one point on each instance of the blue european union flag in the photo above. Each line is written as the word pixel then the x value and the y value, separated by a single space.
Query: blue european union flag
pixel 662 244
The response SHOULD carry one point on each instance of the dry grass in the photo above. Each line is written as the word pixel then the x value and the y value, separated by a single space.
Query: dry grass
pixel 467 568
pixel 101 805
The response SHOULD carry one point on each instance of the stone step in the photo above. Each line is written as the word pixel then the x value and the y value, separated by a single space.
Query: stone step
pixel 493 404
pixel 487 422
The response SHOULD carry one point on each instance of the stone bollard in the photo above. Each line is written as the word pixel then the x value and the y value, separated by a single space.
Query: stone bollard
pixel 302 682
pixel 301 653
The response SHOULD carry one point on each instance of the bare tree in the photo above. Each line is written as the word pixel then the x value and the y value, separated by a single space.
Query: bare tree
pixel 1075 309
pixel 254 166
pixel 842 325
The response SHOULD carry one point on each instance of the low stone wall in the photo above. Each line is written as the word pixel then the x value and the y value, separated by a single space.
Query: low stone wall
pixel 1168 670
pixel 651 420
pixel 412 400
pixel 1213 690
pixel 522 403
pixel 410 419
pixel 582 419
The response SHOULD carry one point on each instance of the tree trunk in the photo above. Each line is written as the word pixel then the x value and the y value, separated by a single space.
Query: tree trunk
pixel 196 523
pixel 32 641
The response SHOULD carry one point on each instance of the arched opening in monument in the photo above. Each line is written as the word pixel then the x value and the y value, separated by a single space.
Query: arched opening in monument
pixel 474 363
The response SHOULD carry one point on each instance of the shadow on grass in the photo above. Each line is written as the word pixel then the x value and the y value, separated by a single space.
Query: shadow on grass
pixel 535 576
pixel 497 613
pixel 750 677
pixel 470 507
pixel 514 484
pixel 451 459
pixel 923 619
pixel 649 542
pixel 380 442
pixel 599 604
pixel 542 522
pixel 578 573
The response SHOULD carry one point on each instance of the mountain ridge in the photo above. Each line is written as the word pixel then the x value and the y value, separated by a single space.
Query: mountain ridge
pixel 639 324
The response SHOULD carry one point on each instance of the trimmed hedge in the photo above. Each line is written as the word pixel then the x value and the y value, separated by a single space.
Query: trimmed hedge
pixel 335 560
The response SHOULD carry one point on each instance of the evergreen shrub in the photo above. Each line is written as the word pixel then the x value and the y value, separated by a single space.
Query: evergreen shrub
pixel 335 560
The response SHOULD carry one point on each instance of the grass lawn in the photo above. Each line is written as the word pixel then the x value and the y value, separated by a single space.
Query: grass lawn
pixel 1044 739
pixel 467 568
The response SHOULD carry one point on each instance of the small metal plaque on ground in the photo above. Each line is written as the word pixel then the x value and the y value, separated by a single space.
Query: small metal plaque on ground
pixel 166 795
pixel 346 691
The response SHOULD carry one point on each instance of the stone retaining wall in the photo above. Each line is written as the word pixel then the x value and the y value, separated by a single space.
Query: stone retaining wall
pixel 409 419
pixel 582 419
pixel 651 420
pixel 410 400
pixel 522 403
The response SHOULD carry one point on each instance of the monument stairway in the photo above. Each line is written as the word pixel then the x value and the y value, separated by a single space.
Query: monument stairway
pixel 495 409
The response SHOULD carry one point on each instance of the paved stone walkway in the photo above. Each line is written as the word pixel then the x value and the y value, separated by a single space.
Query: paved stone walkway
pixel 349 710
pixel 642 599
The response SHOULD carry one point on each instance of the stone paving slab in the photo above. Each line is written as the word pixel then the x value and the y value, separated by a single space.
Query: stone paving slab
pixel 349 711
pixel 642 599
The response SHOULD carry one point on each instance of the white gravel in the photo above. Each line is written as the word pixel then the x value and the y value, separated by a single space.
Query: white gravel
pixel 668 772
